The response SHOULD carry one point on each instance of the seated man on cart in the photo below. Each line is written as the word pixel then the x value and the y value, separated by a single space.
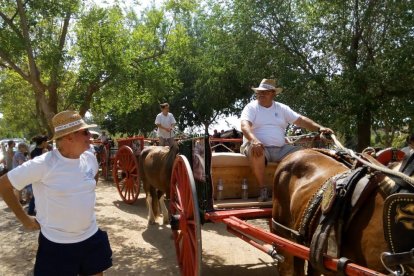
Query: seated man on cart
pixel 263 123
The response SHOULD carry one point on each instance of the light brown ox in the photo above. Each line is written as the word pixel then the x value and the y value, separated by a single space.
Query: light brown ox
pixel 297 178
pixel 155 166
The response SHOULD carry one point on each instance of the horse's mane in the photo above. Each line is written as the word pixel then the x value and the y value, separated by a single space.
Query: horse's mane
pixel 174 148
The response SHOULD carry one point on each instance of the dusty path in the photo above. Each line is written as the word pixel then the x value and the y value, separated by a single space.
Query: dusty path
pixel 137 250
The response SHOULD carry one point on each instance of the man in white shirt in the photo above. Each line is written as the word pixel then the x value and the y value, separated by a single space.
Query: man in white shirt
pixel 64 181
pixel 165 122
pixel 263 123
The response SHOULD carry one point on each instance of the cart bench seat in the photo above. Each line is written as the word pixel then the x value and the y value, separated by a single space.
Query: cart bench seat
pixel 232 168
pixel 226 159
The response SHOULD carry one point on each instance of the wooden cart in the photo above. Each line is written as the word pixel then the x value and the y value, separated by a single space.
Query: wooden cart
pixel 193 202
pixel 125 171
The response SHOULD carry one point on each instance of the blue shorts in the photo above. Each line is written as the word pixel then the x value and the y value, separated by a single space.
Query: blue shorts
pixel 87 257
pixel 272 154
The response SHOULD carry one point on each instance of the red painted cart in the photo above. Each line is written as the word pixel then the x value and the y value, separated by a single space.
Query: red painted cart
pixel 125 171
pixel 124 163
pixel 193 202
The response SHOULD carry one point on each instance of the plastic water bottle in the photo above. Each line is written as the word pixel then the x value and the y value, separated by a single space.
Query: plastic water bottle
pixel 220 189
pixel 244 187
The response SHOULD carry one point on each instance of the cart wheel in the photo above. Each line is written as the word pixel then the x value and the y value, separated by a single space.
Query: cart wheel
pixel 126 175
pixel 185 218
pixel 104 162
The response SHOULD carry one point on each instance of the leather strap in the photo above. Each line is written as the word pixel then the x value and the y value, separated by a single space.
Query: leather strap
pixel 372 160
pixel 394 259
pixel 406 163
pixel 286 232
pixel 333 220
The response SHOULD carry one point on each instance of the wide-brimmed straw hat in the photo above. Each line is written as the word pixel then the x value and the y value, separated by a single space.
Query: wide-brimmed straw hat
pixel 67 122
pixel 268 84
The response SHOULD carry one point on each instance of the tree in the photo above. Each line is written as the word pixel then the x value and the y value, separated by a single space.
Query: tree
pixel 183 58
pixel 337 59
pixel 347 65
pixel 19 116
pixel 33 36
pixel 64 69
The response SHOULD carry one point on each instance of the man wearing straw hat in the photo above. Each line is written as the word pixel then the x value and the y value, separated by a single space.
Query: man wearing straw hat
pixel 64 181
pixel 263 123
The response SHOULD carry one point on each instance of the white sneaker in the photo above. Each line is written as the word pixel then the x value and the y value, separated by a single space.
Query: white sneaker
pixel 263 195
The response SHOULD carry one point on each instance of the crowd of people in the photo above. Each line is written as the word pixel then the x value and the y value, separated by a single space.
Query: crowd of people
pixel 16 156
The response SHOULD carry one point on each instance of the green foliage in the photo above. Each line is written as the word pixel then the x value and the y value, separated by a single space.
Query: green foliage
pixel 337 60
pixel 18 109
pixel 345 64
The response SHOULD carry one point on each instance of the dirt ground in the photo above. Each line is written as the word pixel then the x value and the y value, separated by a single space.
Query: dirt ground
pixel 138 249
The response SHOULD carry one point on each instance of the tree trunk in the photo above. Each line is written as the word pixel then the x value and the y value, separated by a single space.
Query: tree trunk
pixel 364 129
pixel 206 125
pixel 46 109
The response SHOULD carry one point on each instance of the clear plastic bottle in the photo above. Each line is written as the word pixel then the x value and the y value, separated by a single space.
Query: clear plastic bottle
pixel 220 189
pixel 245 188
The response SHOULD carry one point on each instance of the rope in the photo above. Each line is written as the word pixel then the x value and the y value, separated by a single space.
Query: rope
pixel 385 170
pixel 296 139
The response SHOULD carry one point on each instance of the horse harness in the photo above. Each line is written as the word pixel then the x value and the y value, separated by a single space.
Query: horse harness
pixel 398 219
pixel 336 202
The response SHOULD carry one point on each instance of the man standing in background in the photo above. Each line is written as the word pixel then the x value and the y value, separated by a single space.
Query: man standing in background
pixel 165 122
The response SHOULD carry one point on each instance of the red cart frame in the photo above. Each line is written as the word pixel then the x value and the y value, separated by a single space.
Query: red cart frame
pixel 189 207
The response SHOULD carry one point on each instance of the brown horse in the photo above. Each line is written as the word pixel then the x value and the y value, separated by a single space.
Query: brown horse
pixel 155 165
pixel 297 179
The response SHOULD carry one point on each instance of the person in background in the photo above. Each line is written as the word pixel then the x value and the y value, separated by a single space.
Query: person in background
pixel 409 149
pixel 64 182
pixel 21 156
pixel 263 123
pixel 10 154
pixel 41 146
pixel 99 148
pixel 216 145
pixel 2 160
pixel 104 138
pixel 165 122
pixel 216 134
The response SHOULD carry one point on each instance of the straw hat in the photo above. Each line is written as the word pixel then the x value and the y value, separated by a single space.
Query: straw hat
pixel 67 122
pixel 268 84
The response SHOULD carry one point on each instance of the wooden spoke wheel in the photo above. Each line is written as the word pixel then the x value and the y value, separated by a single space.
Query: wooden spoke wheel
pixel 126 175
pixel 104 161
pixel 185 218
